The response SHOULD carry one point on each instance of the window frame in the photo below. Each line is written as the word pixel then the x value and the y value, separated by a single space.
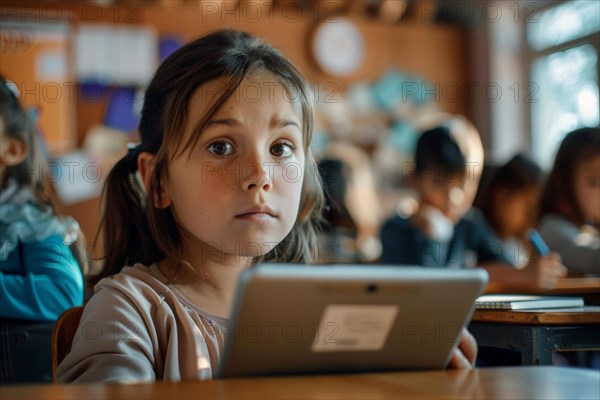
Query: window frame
pixel 530 56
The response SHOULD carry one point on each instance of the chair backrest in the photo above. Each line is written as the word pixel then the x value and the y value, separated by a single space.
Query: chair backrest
pixel 63 334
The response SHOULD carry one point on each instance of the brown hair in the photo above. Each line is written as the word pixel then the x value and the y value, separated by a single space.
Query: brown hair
pixel 558 196
pixel 136 230
pixel 518 175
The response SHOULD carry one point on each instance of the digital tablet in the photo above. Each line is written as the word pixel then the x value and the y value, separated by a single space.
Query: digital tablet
pixel 297 319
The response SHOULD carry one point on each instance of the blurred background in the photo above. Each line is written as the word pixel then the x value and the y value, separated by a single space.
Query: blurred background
pixel 522 72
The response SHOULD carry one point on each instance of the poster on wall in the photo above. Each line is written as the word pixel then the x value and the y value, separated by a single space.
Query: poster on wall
pixel 34 56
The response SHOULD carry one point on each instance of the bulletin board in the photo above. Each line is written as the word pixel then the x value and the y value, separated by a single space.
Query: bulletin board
pixel 36 58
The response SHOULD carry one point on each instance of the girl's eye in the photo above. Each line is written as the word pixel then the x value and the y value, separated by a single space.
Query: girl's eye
pixel 221 148
pixel 282 150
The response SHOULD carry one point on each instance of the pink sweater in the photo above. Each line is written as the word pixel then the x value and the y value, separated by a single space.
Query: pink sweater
pixel 137 327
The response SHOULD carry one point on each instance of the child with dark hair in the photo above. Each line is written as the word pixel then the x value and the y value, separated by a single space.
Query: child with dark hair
pixel 509 204
pixel 570 203
pixel 446 231
pixel 438 234
pixel 350 234
pixel 40 271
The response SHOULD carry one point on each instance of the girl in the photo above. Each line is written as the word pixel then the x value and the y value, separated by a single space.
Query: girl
pixel 40 276
pixel 570 203
pixel 509 204
pixel 219 182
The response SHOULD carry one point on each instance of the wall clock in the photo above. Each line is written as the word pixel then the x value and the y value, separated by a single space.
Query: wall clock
pixel 338 47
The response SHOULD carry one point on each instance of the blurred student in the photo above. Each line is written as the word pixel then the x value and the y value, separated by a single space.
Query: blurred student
pixel 350 234
pixel 509 203
pixel 446 231
pixel 40 276
pixel 570 203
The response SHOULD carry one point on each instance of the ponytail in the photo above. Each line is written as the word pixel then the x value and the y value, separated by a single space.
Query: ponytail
pixel 127 238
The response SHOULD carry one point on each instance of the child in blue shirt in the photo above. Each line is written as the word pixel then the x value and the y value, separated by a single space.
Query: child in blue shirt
pixel 445 231
pixel 40 277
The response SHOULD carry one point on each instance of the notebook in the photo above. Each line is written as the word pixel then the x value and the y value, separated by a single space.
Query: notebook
pixel 523 302
pixel 294 319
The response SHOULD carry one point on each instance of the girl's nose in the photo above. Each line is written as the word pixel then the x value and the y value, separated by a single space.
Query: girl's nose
pixel 256 177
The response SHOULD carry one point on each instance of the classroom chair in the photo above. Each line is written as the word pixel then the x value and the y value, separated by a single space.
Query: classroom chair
pixel 62 336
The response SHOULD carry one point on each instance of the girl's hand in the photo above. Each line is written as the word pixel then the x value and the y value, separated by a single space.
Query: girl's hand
pixel 466 353
pixel 543 272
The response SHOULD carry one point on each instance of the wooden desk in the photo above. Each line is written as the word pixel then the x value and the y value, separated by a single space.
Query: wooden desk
pixel 577 286
pixel 538 333
pixel 565 286
pixel 491 383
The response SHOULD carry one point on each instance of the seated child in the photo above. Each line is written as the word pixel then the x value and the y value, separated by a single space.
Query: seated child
pixel 570 203
pixel 40 277
pixel 509 204
pixel 220 181
pixel 350 234
pixel 446 231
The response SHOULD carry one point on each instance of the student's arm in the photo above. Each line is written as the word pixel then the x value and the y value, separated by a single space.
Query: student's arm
pixel 112 343
pixel 52 282
pixel 540 273
pixel 578 252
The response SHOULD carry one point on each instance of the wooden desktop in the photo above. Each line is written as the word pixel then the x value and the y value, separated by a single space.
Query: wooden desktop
pixel 491 383
pixel 564 286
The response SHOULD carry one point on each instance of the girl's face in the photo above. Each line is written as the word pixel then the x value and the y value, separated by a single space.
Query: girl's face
pixel 516 212
pixel 238 189
pixel 587 188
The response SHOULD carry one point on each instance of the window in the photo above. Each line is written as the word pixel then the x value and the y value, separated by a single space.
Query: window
pixel 563 39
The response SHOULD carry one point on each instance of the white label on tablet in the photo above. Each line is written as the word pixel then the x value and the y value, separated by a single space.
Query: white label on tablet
pixel 354 327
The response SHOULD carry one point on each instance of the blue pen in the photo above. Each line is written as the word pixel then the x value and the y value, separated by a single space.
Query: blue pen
pixel 539 244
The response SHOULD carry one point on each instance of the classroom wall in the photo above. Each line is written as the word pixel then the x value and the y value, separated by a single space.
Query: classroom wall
pixel 438 53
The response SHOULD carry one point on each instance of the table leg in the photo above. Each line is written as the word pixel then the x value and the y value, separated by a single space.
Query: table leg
pixel 538 348
pixel 535 343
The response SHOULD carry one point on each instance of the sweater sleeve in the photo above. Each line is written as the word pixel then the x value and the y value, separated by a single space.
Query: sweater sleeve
pixel 579 253
pixel 50 284
pixel 111 344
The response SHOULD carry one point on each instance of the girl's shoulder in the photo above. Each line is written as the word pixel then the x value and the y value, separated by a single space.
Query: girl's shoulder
pixel 143 286
pixel 135 279
pixel 556 221
pixel 557 227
